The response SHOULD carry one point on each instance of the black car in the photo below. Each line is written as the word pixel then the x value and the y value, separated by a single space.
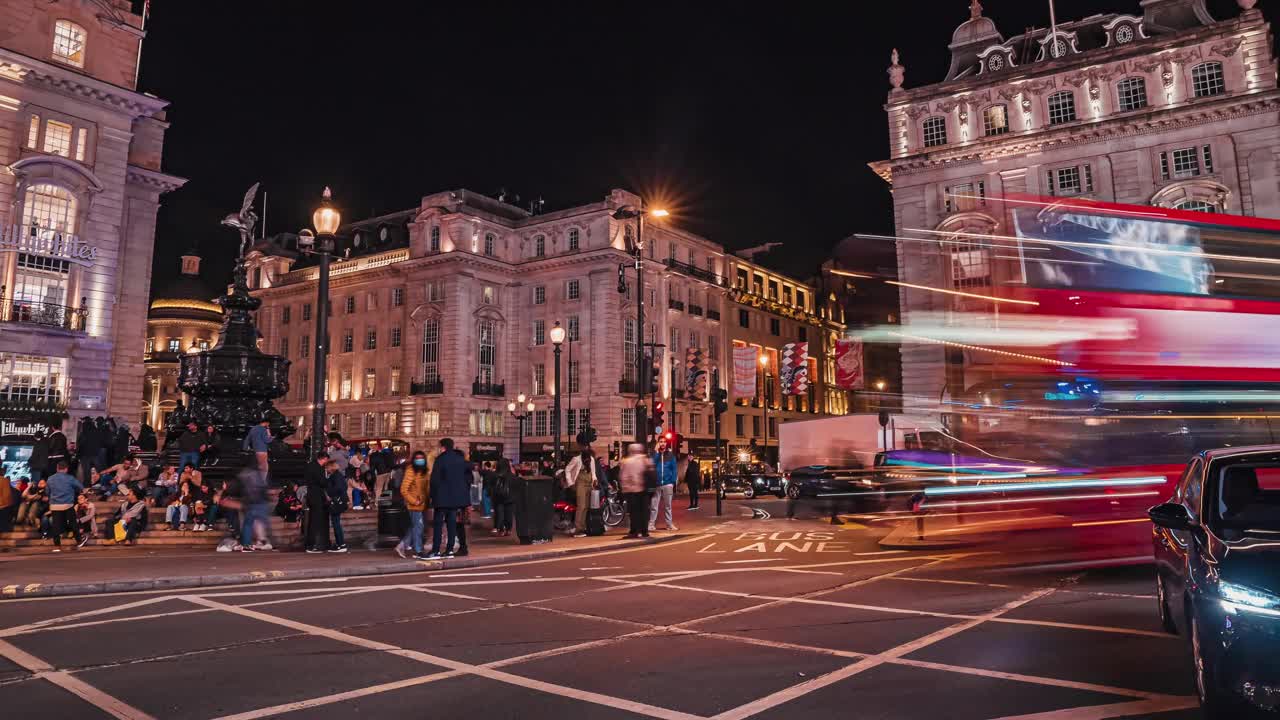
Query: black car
pixel 858 489
pixel 752 480
pixel 1217 551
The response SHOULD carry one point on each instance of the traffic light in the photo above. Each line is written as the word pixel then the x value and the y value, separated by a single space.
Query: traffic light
pixel 659 417
pixel 655 378
pixel 721 398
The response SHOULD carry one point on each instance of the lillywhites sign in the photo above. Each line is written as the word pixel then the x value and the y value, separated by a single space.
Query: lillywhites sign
pixel 13 428
pixel 35 240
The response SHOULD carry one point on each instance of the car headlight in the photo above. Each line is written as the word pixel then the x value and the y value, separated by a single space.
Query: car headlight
pixel 1244 598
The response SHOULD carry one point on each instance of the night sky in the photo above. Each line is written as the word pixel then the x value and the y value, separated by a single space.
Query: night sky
pixel 751 126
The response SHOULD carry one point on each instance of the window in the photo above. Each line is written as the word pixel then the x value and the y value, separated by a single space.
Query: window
pixel 435 291
pixel 151 345
pixel 674 346
pixel 539 379
pixel 82 136
pixel 574 329
pixel 435 244
pixel 540 246
pixel 348 341
pixel 970 265
pixel 935 131
pixel 539 295
pixel 202 345
pixel 995 120
pixel 744 319
pixel 713 347
pixel 57 138
pixel 431 350
pixel 628 421
pixel 50 207
pixel 755 426
pixel 574 239
pixel 802 333
pixel 629 341
pixel 1062 107
pixel 695 423
pixel 773 290
pixel 1207 80
pixel 302 385
pixel 68 43
pixel 306 312
pixel 344 386
pixel 1132 93
pixel 964 196
pixel 371 301
pixel 488 348
pixel 487 423
pixel 430 421
pixel 175 345
pixel 33 132
pixel 539 332
pixel 739 425
pixel 1196 206
pixel 351 305
pixel 693 339
pixel 396 336
pixel 397 297
pixel 775 326
pixel 741 282
pixel 574 376
pixel 490 244
pixel 370 382
pixel 32 377
pixel 371 339
pixel 394 387
pixel 487 295
pixel 391 422
pixel 801 300
pixel 284 347
pixel 286 314
pixel 539 422
pixel 304 347
pixel 574 290
pixel 1071 180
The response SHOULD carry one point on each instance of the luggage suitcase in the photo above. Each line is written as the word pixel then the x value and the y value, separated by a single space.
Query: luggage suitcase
pixel 595 522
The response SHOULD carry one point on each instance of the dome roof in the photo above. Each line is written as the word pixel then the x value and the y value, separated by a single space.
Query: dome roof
pixel 975 30
pixel 185 295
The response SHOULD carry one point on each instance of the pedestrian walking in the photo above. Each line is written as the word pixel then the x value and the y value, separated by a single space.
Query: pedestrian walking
pixel 664 464
pixel 317 518
pixel 257 508
pixel 635 478
pixel 336 494
pixel 693 481
pixel 415 488
pixel 450 492
pixel 582 471
pixel 503 500
pixel 63 491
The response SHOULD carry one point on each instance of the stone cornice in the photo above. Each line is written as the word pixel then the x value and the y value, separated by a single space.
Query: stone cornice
pixel 21 68
pixel 1160 121
pixel 154 179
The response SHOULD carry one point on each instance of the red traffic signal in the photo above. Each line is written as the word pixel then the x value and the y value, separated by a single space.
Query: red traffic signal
pixel 669 436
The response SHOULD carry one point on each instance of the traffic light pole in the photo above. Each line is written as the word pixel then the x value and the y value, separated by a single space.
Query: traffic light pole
pixel 719 407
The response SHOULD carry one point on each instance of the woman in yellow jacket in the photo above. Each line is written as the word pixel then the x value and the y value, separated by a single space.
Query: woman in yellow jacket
pixel 415 488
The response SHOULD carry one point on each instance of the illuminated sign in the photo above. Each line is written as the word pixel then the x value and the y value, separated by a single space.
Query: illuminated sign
pixel 48 243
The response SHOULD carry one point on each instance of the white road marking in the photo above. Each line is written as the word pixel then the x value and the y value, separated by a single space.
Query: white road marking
pixel 107 703
pixel 465 574
pixel 300 582
pixel 445 593
pixel 18 629
pixel 605 567
pixel 807 572
pixel 1080 564
pixel 880 552
pixel 1101 712
pixel 950 582
pixel 743 562
pixel 341 697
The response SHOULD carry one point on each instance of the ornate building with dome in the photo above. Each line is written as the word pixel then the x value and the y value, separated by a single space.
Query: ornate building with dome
pixel 183 318
pixel 1167 106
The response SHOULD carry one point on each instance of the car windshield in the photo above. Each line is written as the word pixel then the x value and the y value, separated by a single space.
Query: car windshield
pixel 1244 498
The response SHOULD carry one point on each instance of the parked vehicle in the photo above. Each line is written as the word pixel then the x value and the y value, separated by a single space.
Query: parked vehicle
pixel 752 480
pixel 1218 575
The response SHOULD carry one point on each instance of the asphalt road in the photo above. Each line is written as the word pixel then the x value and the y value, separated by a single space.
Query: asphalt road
pixel 760 619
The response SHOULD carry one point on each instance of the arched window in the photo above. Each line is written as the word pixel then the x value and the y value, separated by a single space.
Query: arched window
pixel 431 350
pixel 50 207
pixel 540 246
pixel 490 242
pixel 1197 206
pixel 1207 80
pixel 1199 195
pixel 995 120
pixel 68 43
pixel 1131 93
pixel 934 130
pixel 574 239
pixel 1062 107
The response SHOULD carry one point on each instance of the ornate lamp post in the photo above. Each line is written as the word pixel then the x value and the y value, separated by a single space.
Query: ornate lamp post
pixel 557 337
pixel 327 219
pixel 628 212
pixel 519 410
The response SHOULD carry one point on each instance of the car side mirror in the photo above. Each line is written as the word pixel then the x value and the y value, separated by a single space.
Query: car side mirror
pixel 1173 516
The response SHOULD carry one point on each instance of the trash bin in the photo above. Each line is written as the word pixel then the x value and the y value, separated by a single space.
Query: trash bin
pixel 533 512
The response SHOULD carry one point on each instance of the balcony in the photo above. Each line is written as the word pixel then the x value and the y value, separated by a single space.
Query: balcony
pixel 430 387
pixel 675 305
pixel 488 389
pixel 695 309
pixel 44 314
pixel 713 315
pixel 693 271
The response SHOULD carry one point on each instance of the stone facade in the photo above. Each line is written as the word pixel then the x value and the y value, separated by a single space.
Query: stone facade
pixel 441 315
pixel 80 183
pixel 1170 108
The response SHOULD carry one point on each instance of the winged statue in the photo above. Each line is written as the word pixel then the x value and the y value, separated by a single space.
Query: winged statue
pixel 245 220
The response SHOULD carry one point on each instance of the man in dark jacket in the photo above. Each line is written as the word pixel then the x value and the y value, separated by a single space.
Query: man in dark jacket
pixel 316 481
pixel 39 460
pixel 450 492
pixel 89 450
pixel 190 444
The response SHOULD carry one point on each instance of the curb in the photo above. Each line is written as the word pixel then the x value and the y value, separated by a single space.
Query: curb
pixel 37 590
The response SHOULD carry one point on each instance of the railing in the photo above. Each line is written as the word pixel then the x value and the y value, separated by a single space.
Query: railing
pixel 488 389
pixel 430 387
pixel 693 271
pixel 713 315
pixel 695 309
pixel 42 313
pixel 675 304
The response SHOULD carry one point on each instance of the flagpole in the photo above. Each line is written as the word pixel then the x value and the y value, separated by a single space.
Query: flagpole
pixel 1053 30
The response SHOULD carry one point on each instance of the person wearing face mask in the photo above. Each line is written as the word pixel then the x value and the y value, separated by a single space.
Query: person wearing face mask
pixel 415 488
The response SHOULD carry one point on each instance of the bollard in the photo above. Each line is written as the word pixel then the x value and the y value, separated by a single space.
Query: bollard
pixel 719 497
pixel 920 527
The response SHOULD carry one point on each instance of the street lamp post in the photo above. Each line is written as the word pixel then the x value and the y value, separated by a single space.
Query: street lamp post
pixel 326 219
pixel 519 410
pixel 764 369
pixel 557 337
pixel 628 212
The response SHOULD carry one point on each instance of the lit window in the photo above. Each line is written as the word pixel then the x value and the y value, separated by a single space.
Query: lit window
pixel 370 382
pixel 1132 93
pixel 394 387
pixel 935 131
pixel 574 290
pixel 1062 107
pixel 81 141
pixel 539 246
pixel 435 238
pixel 995 120
pixel 431 350
pixel 33 132
pixel 539 295
pixel 965 196
pixel 487 295
pixel 1207 80
pixel 348 342
pixel 344 387
pixel 431 421
pixel 49 207
pixel 539 379
pixel 57 138
pixel 151 345
pixel 68 43
pixel 1196 206
pixel 488 351
pixel 970 265
pixel 175 345
pixel 539 332
pixel 490 242
pixel 573 239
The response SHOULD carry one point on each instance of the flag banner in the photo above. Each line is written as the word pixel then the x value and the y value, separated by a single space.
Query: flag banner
pixel 744 372
pixel 849 371
pixel 794 370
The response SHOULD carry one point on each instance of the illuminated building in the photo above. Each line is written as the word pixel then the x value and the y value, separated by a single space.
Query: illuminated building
pixel 80 183
pixel 1170 107
pixel 442 314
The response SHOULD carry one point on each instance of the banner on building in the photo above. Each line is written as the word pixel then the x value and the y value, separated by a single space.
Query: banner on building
pixel 744 372
pixel 794 369
pixel 850 374
pixel 695 373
